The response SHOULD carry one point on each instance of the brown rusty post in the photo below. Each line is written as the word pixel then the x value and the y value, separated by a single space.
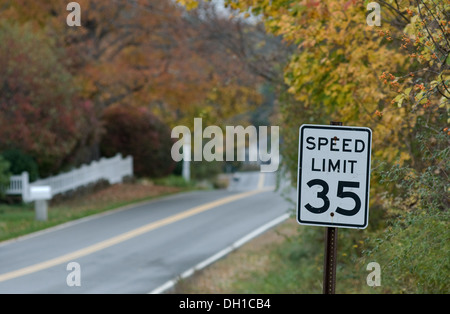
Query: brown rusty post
pixel 329 265
pixel 330 256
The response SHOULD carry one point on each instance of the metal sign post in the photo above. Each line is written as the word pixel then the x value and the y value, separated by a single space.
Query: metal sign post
pixel 330 254
pixel 330 261
pixel 333 184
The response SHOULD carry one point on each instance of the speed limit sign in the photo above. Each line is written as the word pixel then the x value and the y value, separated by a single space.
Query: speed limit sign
pixel 334 176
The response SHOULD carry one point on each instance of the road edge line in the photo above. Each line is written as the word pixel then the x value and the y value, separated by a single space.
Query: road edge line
pixel 210 260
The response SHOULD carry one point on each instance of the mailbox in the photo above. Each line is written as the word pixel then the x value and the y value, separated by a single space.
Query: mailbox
pixel 40 193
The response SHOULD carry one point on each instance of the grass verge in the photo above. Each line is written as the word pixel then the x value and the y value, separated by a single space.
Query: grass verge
pixel 413 252
pixel 19 219
pixel 285 260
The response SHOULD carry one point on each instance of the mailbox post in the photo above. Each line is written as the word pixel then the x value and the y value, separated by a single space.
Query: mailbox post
pixel 40 195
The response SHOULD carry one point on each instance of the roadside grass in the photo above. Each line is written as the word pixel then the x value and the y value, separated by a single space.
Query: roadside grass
pixel 413 252
pixel 285 260
pixel 19 219
pixel 241 267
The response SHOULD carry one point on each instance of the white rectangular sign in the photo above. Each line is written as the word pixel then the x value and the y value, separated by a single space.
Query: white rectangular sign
pixel 334 176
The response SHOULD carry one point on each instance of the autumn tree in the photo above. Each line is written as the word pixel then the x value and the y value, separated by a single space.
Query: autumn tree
pixel 339 69
pixel 154 54
pixel 145 52
pixel 422 89
pixel 41 112
pixel 394 79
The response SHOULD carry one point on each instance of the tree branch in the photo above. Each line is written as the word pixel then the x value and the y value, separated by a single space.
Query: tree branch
pixel 395 10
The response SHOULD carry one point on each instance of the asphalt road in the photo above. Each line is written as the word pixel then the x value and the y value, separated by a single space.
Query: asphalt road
pixel 137 249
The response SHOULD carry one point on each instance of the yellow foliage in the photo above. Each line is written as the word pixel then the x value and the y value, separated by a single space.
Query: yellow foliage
pixel 189 4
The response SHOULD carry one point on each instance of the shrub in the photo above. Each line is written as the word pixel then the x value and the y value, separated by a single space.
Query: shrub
pixel 4 174
pixel 173 180
pixel 201 170
pixel 136 132
pixel 413 249
pixel 20 162
pixel 413 253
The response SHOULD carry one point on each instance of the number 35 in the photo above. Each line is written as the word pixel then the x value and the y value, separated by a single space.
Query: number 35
pixel 340 193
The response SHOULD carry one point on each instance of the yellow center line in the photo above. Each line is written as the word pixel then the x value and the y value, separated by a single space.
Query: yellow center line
pixel 262 177
pixel 125 236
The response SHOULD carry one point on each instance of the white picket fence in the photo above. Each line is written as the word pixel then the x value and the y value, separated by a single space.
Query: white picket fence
pixel 111 169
